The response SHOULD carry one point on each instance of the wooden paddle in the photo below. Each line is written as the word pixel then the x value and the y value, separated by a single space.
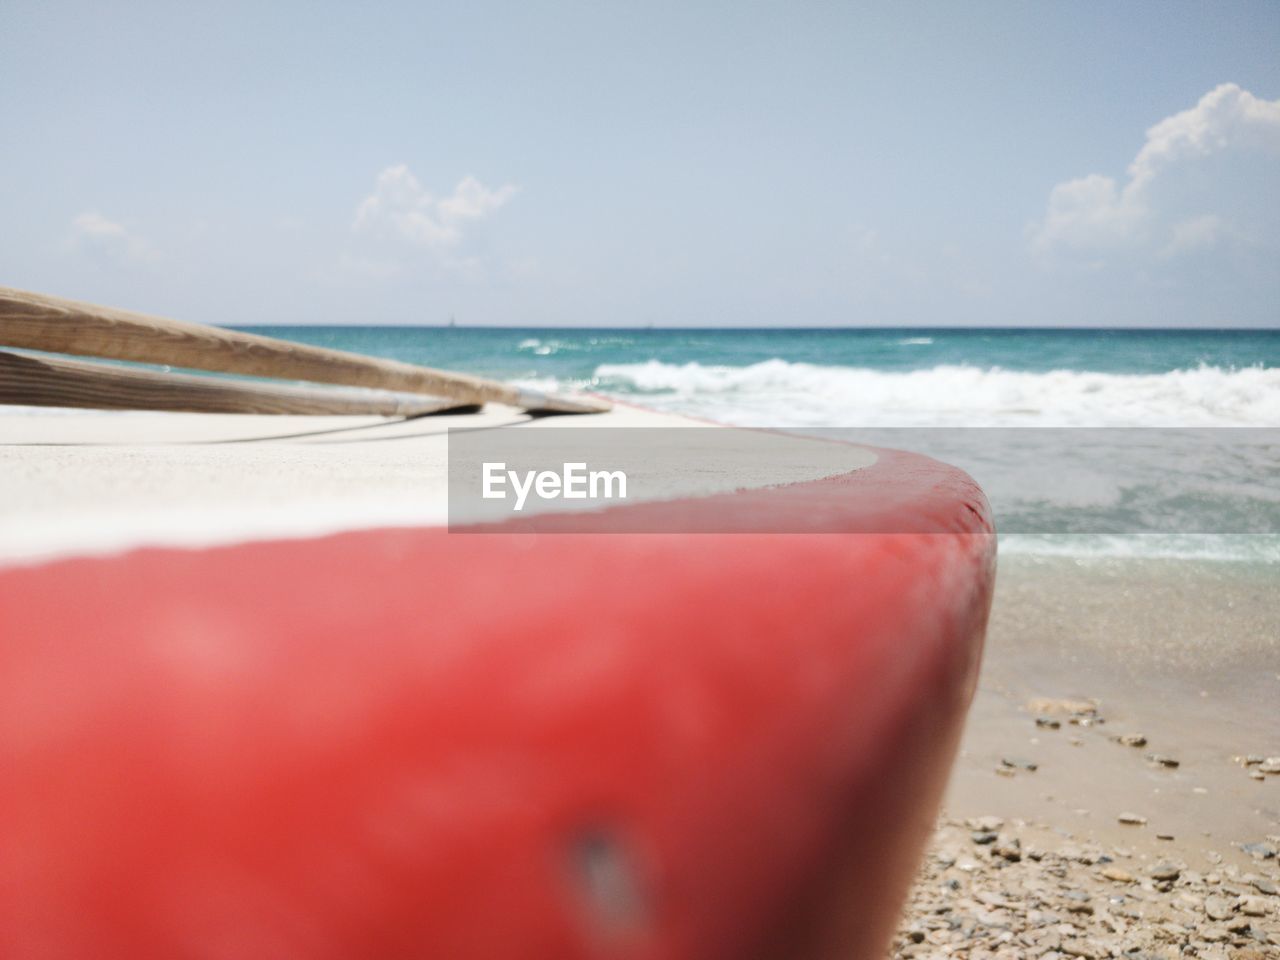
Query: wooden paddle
pixel 57 382
pixel 40 322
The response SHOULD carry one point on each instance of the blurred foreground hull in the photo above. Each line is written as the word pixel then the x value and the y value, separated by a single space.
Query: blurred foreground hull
pixel 416 743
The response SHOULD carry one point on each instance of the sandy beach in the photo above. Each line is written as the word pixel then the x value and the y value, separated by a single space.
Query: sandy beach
pixel 1109 797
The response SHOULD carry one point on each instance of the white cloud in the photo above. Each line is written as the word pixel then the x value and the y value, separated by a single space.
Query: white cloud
pixel 399 207
pixel 1198 233
pixel 1204 177
pixel 95 235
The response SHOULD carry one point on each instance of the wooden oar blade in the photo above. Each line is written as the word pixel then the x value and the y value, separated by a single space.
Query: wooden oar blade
pixel 40 322
pixel 57 382
pixel 535 401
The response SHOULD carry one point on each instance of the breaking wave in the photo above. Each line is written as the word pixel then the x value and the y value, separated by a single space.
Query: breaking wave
pixel 781 393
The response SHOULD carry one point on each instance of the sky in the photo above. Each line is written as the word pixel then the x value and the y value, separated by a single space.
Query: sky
pixel 600 164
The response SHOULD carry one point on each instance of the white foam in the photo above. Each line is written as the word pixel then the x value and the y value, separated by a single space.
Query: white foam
pixel 780 393
pixel 1027 481
pixel 545 348
pixel 1237 548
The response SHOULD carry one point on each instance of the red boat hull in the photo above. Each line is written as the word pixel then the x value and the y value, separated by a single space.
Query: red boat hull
pixel 419 743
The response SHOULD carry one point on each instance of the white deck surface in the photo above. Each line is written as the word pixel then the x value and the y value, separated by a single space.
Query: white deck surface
pixel 75 482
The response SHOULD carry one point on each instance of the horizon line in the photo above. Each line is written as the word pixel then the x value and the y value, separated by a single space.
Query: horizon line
pixel 654 328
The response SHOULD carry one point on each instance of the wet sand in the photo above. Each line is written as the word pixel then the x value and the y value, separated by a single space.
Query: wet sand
pixel 1114 691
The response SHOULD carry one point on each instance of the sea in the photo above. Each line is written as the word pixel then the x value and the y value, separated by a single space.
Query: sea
pixel 1089 443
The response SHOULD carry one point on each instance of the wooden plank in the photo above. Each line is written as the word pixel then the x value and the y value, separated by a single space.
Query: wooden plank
pixel 40 322
pixel 56 382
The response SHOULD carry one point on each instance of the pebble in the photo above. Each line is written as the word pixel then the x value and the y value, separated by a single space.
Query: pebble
pixel 1253 906
pixel 1218 908
pixel 1118 875
pixel 1165 871
pixel 1260 851
pixel 1163 761
pixel 990 899
pixel 982 837
pixel 1019 764
pixel 1132 818
pixel 1010 849
pixel 1048 723
pixel 1164 836
pixel 1079 948
pixel 1270 765
pixel 1263 885
pixel 1132 740
pixel 1256 775
pixel 987 824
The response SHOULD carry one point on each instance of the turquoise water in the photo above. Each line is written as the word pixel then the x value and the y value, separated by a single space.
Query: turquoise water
pixel 817 378
pixel 574 355
pixel 1197 480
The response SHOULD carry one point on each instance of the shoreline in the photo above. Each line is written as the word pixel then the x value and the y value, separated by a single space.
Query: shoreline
pixel 1120 661
pixel 1184 654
